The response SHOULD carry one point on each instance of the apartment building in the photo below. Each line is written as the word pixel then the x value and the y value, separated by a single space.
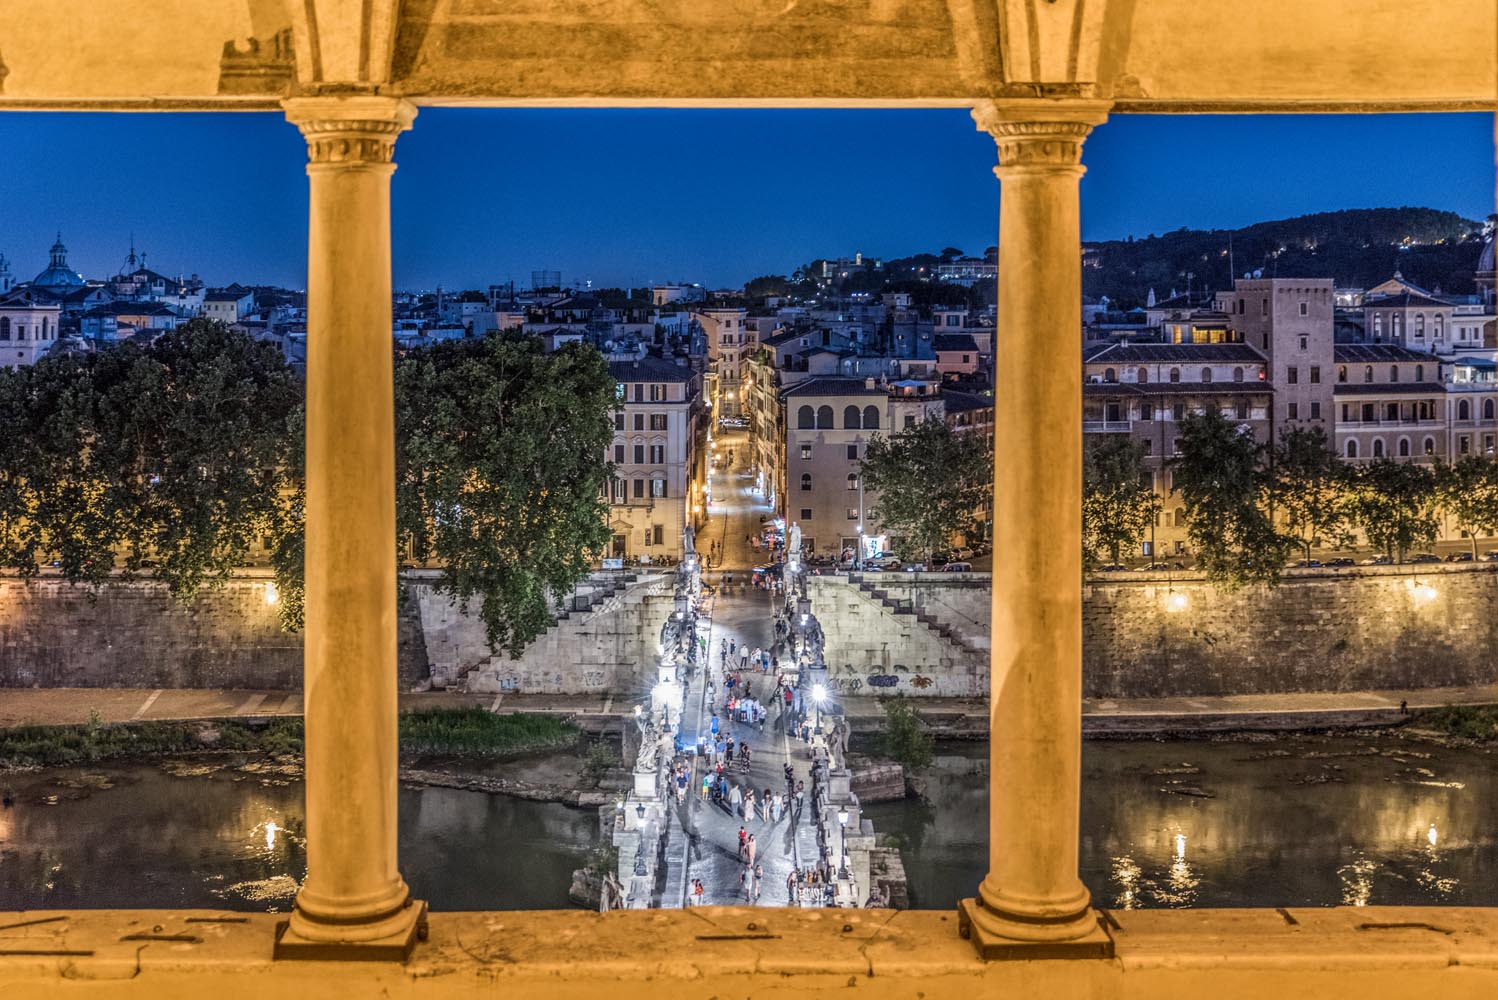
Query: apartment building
pixel 1391 403
pixel 729 339
pixel 656 453
pixel 828 423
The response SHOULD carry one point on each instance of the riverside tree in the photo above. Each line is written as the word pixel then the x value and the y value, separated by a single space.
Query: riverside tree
pixel 930 481
pixel 1118 503
pixel 170 459
pixel 1395 505
pixel 1225 489
pixel 1468 491
pixel 1311 489
pixel 499 472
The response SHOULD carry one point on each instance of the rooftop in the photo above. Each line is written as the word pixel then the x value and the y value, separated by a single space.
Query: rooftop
pixel 649 369
pixel 1353 353
pixel 1161 353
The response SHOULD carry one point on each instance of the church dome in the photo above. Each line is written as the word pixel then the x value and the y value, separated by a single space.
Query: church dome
pixel 58 274
pixel 1485 262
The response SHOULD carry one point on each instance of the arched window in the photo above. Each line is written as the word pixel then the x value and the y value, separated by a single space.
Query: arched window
pixel 805 418
pixel 1393 373
pixel 1419 326
pixel 1237 374
pixel 1487 409
pixel 1175 374
pixel 1368 373
pixel 806 481
pixel 871 418
pixel 1206 374
pixel 1352 450
pixel 1464 410
pixel 852 420
pixel 1440 326
pixel 4 327
pixel 1419 373
pixel 1378 327
pixel 1404 447
pixel 1430 446
pixel 1378 447
pixel 1342 373
pixel 824 418
pixel 1109 375
pixel 1142 376
pixel 1396 326
pixel 852 480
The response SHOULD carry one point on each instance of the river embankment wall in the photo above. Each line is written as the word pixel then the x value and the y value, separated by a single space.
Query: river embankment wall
pixel 134 633
pixel 1156 635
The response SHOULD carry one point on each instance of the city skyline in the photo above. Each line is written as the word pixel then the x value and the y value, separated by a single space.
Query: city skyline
pixel 824 183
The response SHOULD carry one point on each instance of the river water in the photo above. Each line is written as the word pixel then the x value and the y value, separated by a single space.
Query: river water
pixel 1296 820
pixel 1293 820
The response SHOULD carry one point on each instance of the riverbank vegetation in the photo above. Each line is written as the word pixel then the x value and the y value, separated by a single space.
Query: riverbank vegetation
pixel 459 732
pixel 1468 722
pixel 906 740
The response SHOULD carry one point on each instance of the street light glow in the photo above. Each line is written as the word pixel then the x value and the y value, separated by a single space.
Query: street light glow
pixel 818 693
pixel 272 593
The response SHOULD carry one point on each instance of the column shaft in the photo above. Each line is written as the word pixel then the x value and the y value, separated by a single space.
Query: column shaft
pixel 1032 892
pixel 353 891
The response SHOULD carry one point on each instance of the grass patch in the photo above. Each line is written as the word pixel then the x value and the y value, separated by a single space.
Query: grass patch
pixel 476 732
pixel 469 732
pixel 1470 722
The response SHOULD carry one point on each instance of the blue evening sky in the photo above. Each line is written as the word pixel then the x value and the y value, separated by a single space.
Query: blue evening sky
pixel 630 197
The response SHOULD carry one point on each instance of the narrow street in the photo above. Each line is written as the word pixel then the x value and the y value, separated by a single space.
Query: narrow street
pixel 703 835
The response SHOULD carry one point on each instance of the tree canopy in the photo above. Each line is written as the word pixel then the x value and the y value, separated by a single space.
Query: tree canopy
pixel 1310 489
pixel 1226 491
pixel 1394 503
pixel 930 481
pixel 171 459
pixel 1119 502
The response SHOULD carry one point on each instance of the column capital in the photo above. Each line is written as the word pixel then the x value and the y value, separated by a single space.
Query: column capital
pixel 1039 132
pixel 350 131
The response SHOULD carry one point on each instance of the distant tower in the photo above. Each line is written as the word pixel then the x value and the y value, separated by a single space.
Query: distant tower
pixel 6 281
pixel 131 261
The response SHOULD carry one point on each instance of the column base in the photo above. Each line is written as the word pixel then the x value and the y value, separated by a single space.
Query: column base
pixel 984 928
pixel 410 927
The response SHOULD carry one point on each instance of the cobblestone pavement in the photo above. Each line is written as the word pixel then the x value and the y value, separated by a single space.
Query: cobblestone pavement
pixel 735 513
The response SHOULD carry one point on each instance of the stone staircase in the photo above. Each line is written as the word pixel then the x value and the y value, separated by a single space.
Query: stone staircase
pixel 906 607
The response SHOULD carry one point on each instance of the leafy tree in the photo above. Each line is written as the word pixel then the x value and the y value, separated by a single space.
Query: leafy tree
pixel 1468 491
pixel 1225 490
pixel 498 472
pixel 1394 504
pixel 766 284
pixel 1118 504
pixel 929 480
pixel 905 737
pixel 1311 485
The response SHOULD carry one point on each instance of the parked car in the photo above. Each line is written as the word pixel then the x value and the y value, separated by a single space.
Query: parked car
pixel 1490 555
pixel 957 567
pixel 1112 568
pixel 882 560
pixel 1341 561
pixel 1378 561
pixel 1459 557
pixel 1424 557
pixel 1306 564
pixel 915 567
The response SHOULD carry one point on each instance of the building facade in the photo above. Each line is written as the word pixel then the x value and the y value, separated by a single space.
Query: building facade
pixel 655 490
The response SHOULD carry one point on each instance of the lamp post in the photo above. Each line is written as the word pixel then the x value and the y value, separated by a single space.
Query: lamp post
pixel 842 822
pixel 818 695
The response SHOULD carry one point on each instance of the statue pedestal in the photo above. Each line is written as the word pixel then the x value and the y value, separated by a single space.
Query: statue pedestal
pixel 645 784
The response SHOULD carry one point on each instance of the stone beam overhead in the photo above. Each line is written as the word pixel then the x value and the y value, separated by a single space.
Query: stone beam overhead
pixel 1144 55
pixel 343 45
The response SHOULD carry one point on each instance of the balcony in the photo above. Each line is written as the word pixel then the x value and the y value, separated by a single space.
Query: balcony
pixel 1106 426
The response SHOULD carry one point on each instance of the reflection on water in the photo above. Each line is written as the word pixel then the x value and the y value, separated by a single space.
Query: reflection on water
pixel 137 836
pixel 1299 820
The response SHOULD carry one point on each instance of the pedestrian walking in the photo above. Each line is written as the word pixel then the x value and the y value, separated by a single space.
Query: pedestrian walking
pixel 735 797
pixel 765 806
pixel 744 658
pixel 743 840
pixel 759 880
pixel 744 883
pixel 697 891
pixel 750 807
pixel 707 787
pixel 750 848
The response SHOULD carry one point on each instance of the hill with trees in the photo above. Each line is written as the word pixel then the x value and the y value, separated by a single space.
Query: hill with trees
pixel 1356 247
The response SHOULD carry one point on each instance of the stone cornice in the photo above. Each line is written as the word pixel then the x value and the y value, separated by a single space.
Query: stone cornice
pixel 350 131
pixel 1039 132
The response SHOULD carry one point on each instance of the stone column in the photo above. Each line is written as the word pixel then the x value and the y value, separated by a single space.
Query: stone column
pixel 354 902
pixel 1032 903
